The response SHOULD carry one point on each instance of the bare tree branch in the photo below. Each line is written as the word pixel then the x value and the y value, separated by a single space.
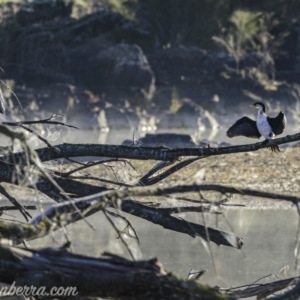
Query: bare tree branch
pixel 47 121
pixel 119 234
pixel 16 203
pixel 146 153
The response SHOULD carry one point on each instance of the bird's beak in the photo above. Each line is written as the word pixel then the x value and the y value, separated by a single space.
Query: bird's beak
pixel 252 105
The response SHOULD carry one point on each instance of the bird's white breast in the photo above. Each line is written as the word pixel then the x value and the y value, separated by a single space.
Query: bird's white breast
pixel 263 126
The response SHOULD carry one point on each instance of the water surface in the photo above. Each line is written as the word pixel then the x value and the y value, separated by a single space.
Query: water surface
pixel 269 240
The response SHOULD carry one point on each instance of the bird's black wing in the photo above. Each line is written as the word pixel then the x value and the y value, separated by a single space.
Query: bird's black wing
pixel 278 123
pixel 245 127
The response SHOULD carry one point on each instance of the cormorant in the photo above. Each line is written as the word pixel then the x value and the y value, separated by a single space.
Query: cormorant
pixel 263 126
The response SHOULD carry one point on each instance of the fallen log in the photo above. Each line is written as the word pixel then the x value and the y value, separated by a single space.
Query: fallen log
pixel 108 276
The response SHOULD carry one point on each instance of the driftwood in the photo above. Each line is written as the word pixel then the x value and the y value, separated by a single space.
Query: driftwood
pixel 109 276
pixel 292 294
pixel 116 277
pixel 261 291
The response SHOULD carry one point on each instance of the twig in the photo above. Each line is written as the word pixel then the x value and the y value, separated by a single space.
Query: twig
pixel 101 180
pixel 47 143
pixel 126 221
pixel 44 121
pixel 16 203
pixel 119 234
pixel 88 165
pixel 145 180
pixel 208 238
pixel 181 209
pixel 29 207
pixel 263 289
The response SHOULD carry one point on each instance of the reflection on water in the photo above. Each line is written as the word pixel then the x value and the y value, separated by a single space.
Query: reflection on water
pixel 269 237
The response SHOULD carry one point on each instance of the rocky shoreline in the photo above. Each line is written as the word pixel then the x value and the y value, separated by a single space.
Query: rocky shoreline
pixel 100 72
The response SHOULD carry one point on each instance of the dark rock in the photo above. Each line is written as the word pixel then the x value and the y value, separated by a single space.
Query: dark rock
pixel 177 65
pixel 289 76
pixel 119 69
pixel 113 26
pixel 42 11
pixel 61 48
pixel 290 46
pixel 123 65
pixel 216 63
pixel 181 65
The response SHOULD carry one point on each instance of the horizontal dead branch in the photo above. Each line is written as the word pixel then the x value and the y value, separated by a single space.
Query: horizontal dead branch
pixel 144 153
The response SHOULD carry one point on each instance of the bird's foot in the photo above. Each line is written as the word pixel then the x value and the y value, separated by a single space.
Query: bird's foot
pixel 273 148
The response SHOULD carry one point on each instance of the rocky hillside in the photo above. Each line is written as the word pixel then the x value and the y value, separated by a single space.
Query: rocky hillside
pixel 107 71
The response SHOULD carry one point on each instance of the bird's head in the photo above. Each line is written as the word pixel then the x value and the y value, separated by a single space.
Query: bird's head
pixel 259 106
